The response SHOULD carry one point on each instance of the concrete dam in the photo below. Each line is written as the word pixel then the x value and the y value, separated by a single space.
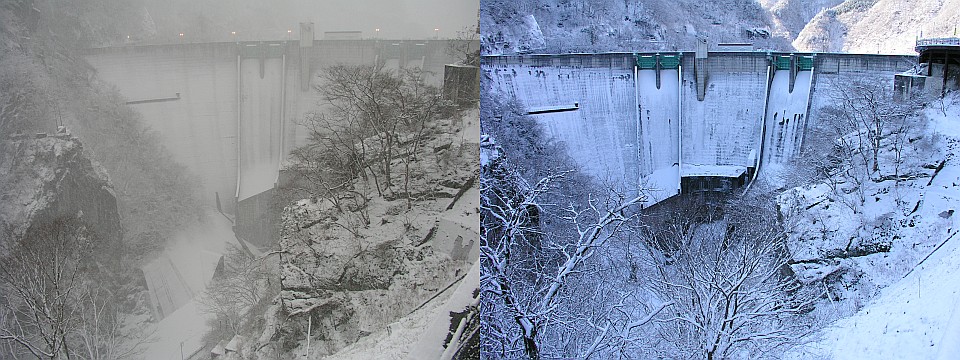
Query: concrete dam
pixel 685 121
pixel 228 111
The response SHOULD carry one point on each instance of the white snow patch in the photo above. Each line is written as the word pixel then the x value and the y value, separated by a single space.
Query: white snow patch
pixel 915 316
pixel 712 170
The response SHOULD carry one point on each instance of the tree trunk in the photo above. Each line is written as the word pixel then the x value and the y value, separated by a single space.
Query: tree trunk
pixel 530 346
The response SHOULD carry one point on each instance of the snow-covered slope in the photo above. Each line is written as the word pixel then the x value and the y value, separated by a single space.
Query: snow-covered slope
pixel 361 282
pixel 885 26
pixel 856 26
pixel 911 318
pixel 564 26
pixel 791 16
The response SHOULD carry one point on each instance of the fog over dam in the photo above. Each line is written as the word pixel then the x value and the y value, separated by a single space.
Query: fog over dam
pixel 228 111
pixel 649 120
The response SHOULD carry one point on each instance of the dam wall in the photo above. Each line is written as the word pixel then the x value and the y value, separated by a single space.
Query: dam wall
pixel 658 114
pixel 201 96
pixel 725 128
pixel 229 111
pixel 585 102
pixel 639 119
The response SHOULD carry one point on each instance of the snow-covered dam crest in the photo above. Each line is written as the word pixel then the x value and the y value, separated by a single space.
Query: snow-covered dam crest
pixel 664 122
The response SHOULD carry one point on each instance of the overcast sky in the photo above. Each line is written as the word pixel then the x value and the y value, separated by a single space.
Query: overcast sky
pixel 269 19
pixel 403 19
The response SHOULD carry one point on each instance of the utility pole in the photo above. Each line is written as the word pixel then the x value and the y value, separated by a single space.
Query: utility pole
pixel 309 326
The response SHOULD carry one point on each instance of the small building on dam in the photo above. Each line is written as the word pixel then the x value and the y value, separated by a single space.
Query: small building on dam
pixel 937 70
pixel 672 122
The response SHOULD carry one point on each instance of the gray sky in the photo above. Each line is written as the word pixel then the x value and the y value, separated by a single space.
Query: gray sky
pixel 269 19
pixel 402 19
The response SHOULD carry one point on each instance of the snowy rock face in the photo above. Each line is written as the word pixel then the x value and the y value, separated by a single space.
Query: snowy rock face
pixel 562 26
pixel 354 262
pixel 351 285
pixel 879 26
pixel 43 178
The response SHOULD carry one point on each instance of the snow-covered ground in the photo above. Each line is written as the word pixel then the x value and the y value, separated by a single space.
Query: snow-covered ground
pixel 915 315
pixel 378 323
pixel 418 335
pixel 191 258
pixel 179 333
pixel 430 344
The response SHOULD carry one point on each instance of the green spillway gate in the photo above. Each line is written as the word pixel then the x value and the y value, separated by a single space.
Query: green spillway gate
pixel 805 63
pixel 669 61
pixel 781 62
pixel 649 62
pixel 646 62
pixel 658 62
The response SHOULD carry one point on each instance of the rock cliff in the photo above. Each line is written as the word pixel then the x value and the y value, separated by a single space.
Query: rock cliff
pixel 44 178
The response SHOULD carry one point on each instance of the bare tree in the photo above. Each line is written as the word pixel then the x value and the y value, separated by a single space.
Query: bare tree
pixel 241 287
pixel 725 278
pixel 335 156
pixel 367 93
pixel 466 47
pixel 53 303
pixel 371 117
pixel 42 281
pixel 102 334
pixel 861 113
pixel 863 121
pixel 519 285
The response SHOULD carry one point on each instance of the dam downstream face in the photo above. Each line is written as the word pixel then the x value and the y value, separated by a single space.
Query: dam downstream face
pixel 658 132
pixel 261 92
pixel 601 132
pixel 638 120
pixel 192 95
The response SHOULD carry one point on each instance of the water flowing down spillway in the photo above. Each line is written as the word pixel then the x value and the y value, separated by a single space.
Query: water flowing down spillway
pixel 260 125
pixel 786 115
pixel 658 111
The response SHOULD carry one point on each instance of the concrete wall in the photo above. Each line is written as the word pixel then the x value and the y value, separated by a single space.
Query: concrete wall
pixel 260 112
pixel 200 128
pixel 658 111
pixel 830 63
pixel 625 128
pixel 601 134
pixel 724 128
pixel 786 116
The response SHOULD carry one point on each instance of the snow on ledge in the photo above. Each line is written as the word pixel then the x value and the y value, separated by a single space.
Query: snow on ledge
pixel 732 171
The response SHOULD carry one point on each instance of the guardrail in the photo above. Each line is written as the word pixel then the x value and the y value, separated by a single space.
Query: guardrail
pixel 938 41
